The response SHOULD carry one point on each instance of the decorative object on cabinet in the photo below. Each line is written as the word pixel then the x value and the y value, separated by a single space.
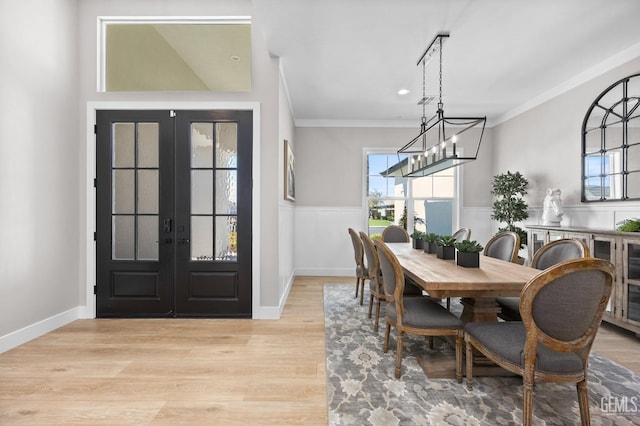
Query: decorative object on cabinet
pixel 442 139
pixel 629 225
pixel 610 144
pixel 552 208
pixel 622 249
pixel 509 206
pixel 445 247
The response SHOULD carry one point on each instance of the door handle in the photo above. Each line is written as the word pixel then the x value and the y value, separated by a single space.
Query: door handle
pixel 166 225
pixel 183 241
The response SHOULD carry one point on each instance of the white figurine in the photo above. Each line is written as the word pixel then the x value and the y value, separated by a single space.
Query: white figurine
pixel 552 208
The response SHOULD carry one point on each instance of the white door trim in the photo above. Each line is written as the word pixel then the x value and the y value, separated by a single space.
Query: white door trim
pixel 89 310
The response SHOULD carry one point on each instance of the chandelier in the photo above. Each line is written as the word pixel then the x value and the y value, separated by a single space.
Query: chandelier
pixel 443 142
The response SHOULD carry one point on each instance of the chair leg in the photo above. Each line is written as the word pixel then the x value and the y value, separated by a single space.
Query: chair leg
pixel 375 324
pixel 448 303
pixel 385 347
pixel 370 304
pixel 430 342
pixel 361 291
pixel 527 396
pixel 459 336
pixel 469 365
pixel 583 402
pixel 399 355
pixel 357 286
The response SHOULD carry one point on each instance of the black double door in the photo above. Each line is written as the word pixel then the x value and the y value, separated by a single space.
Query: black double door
pixel 173 221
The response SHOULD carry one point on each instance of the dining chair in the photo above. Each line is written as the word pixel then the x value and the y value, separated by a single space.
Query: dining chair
pixel 362 273
pixel 504 245
pixel 561 309
pixel 376 291
pixel 548 255
pixel 462 234
pixel 395 234
pixel 415 315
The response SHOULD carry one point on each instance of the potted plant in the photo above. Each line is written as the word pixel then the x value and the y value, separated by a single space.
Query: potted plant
pixel 430 242
pixel 446 249
pixel 629 225
pixel 509 206
pixel 416 239
pixel 468 253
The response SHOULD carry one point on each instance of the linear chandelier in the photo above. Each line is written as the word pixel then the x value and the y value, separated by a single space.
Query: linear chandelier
pixel 443 142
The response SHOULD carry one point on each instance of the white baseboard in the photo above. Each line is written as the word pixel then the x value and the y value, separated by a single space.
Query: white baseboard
pixel 326 272
pixel 30 332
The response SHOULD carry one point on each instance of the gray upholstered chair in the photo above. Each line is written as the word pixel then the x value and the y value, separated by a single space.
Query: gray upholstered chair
pixel 561 309
pixel 504 246
pixel 548 255
pixel 362 273
pixel 395 234
pixel 415 315
pixel 376 291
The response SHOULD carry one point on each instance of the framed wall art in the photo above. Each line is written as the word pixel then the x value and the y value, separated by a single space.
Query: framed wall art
pixel 289 173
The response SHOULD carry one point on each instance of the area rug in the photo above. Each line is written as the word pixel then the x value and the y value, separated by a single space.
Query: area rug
pixel 362 389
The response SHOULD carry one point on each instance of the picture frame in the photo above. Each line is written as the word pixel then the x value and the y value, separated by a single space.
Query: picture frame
pixel 289 173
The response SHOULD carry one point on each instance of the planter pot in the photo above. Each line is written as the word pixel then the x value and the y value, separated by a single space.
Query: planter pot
pixel 468 260
pixel 429 247
pixel 446 253
pixel 418 243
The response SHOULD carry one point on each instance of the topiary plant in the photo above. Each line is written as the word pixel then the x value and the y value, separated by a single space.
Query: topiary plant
pixel 509 206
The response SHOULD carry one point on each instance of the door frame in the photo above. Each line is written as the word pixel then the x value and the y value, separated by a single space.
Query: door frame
pixel 90 207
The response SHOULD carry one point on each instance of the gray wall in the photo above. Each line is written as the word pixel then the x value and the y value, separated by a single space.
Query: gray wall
pixel 39 176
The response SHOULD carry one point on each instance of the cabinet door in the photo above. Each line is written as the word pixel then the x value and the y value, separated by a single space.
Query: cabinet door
pixel 605 248
pixel 631 285
pixel 536 240
pixel 555 235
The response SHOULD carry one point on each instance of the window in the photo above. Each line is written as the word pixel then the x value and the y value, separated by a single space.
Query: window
pixel 424 203
pixel 175 54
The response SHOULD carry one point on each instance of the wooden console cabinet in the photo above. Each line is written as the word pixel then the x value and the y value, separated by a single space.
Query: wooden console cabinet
pixel 622 249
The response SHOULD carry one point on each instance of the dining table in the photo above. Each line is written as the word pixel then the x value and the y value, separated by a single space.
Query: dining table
pixel 477 288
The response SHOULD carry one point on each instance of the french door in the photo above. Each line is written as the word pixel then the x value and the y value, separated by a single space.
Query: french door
pixel 173 221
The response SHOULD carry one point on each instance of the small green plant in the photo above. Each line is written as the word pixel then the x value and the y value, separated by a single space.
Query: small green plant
pixel 467 246
pixel 446 241
pixel 417 235
pixel 629 225
pixel 430 237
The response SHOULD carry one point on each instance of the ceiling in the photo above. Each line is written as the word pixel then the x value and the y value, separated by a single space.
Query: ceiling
pixel 344 61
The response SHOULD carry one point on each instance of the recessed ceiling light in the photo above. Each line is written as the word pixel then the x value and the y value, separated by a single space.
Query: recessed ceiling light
pixel 403 92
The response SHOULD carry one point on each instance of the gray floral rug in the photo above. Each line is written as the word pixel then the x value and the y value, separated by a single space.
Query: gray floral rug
pixel 362 390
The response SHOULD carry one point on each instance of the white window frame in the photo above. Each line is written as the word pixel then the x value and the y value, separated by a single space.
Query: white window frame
pixel 457 197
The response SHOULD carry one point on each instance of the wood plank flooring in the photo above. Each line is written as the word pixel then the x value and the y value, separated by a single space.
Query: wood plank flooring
pixel 191 371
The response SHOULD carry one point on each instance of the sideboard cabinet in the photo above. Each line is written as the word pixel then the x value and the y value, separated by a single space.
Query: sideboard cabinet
pixel 622 249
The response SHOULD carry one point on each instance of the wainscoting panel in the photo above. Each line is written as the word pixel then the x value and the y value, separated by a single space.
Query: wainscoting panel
pixel 322 245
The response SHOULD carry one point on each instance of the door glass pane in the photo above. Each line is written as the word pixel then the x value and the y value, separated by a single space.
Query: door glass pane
pixel 226 190
pixel 422 186
pixel 602 249
pixel 202 145
pixel 227 145
pixel 123 191
pixel 123 145
pixel 201 238
pixel 123 238
pixel 148 142
pixel 202 191
pixel 148 191
pixel 443 186
pixel 147 237
pixel 226 238
pixel 633 261
pixel 633 308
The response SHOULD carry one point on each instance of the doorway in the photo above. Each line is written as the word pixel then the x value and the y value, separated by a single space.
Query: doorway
pixel 173 213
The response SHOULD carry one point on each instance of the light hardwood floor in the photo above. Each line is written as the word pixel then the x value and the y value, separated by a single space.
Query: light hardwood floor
pixel 191 371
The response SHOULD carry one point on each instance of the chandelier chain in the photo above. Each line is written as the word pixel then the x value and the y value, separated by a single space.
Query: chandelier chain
pixel 440 45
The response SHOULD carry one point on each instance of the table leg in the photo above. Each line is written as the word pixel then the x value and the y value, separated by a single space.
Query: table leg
pixel 479 309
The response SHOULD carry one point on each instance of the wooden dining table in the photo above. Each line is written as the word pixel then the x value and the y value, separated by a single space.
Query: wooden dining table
pixel 477 288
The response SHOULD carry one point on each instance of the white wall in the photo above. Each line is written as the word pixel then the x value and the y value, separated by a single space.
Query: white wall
pixel 329 199
pixel 39 173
